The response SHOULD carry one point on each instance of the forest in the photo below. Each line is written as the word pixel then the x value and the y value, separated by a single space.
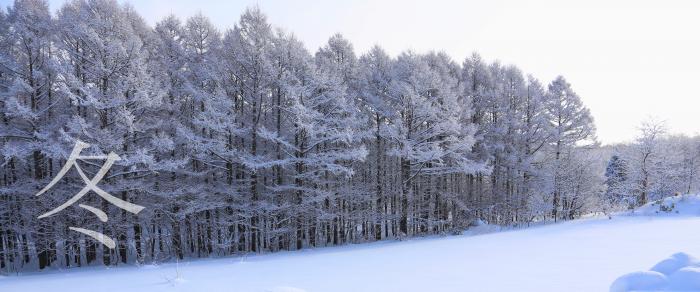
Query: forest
pixel 243 141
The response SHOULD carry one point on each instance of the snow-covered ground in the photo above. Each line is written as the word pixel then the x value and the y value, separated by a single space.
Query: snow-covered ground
pixel 583 255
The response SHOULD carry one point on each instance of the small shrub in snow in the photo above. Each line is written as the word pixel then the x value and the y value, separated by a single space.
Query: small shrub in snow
pixel 667 208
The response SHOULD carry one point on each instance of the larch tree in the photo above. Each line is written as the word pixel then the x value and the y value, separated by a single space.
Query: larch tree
pixel 31 114
pixel 571 124
pixel 375 81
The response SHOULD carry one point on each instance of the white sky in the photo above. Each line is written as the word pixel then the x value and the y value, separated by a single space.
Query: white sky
pixel 628 60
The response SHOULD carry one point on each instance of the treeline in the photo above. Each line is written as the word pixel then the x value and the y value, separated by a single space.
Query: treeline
pixel 243 141
pixel 655 166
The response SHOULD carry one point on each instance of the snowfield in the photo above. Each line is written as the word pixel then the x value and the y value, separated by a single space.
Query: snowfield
pixel 582 255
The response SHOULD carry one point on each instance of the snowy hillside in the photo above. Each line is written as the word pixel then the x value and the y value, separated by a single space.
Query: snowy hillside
pixel 584 255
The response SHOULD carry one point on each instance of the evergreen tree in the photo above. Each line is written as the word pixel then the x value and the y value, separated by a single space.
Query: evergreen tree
pixel 616 180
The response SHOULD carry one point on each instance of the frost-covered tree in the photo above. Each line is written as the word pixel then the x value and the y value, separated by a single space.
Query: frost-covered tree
pixel 31 113
pixel 571 124
pixel 249 68
pixel 534 135
pixel 114 98
pixel 617 181
pixel 688 152
pixel 428 138
pixel 375 85
pixel 647 148
pixel 325 139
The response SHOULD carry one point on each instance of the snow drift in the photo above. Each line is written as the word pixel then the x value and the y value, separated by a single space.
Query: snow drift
pixel 680 272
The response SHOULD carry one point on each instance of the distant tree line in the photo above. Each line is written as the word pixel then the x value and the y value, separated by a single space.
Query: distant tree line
pixel 655 166
pixel 243 141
